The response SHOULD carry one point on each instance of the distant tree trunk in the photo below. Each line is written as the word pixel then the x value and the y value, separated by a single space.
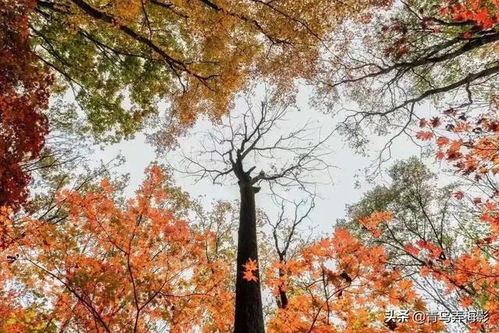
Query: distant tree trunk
pixel 249 314
pixel 283 297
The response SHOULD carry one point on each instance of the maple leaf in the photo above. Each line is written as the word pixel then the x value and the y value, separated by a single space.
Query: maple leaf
pixel 422 243
pixel 409 248
pixel 450 112
pixel 425 271
pixel 106 186
pixel 459 195
pixel 442 141
pixel 377 233
pixel 483 18
pixel 435 122
pixel 249 276
pixel 455 146
pixel 250 266
pixel 424 135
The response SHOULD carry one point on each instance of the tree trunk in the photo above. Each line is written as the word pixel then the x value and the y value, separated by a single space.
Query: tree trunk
pixel 249 314
pixel 282 294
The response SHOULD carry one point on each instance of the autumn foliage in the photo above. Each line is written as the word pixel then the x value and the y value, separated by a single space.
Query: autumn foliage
pixel 342 285
pixel 134 266
pixel 23 99
pixel 462 20
pixel 194 55
pixel 113 267
pixel 156 261
pixel 482 14
pixel 469 141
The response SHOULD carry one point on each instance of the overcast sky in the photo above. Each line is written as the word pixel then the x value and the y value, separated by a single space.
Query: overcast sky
pixel 348 167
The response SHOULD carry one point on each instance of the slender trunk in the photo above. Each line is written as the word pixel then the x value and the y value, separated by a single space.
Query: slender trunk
pixel 249 314
pixel 282 294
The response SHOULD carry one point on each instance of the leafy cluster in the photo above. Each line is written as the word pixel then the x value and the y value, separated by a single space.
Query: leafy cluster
pixel 24 96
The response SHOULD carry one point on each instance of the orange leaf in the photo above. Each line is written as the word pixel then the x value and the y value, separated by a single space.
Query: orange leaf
pixel 442 141
pixel 250 266
pixel 424 135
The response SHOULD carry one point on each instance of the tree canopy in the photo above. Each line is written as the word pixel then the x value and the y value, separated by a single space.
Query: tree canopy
pixel 123 58
pixel 81 252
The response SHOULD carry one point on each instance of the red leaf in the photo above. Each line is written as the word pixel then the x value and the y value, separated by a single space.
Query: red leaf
pixel 435 122
pixel 442 141
pixel 424 135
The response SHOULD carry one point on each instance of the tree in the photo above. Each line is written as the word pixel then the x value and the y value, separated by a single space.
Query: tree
pixel 287 238
pixel 241 140
pixel 469 141
pixel 423 212
pixel 121 59
pixel 114 266
pixel 24 88
pixel 339 284
pixel 438 52
pixel 431 51
pixel 134 265
pixel 124 61
pixel 446 245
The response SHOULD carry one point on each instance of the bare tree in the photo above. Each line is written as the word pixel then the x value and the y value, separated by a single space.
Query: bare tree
pixel 418 58
pixel 234 149
pixel 285 229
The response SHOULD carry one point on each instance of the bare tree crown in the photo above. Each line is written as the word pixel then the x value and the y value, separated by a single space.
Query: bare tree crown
pixel 254 139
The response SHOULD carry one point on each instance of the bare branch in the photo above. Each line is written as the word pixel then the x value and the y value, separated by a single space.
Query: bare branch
pixel 242 144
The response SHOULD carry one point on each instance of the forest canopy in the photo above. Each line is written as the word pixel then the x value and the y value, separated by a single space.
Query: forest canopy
pixel 265 116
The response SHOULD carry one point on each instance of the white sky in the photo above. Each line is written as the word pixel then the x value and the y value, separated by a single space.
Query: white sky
pixel 348 168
